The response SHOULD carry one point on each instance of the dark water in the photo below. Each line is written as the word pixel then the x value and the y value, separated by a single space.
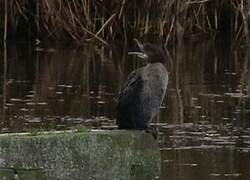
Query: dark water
pixel 204 121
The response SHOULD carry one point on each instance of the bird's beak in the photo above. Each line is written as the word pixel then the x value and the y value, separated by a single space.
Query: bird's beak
pixel 141 54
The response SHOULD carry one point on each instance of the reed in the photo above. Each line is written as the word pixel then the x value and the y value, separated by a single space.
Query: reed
pixel 107 20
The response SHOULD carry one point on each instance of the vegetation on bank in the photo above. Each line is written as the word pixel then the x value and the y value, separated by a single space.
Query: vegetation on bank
pixel 107 20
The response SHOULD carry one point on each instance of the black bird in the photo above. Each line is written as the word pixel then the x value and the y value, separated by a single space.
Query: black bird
pixel 141 96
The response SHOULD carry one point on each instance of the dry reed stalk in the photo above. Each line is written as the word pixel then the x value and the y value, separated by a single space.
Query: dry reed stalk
pixel 86 12
pixel 81 19
pixel 146 23
pixel 37 18
pixel 105 24
pixel 122 9
pixel 5 19
pixel 170 31
pixel 244 19
pixel 198 2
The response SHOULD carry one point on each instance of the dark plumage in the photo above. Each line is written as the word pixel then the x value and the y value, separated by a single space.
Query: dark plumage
pixel 141 96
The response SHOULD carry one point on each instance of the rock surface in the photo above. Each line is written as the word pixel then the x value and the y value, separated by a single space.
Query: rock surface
pixel 90 155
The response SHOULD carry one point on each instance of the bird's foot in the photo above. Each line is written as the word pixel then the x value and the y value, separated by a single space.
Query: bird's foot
pixel 153 131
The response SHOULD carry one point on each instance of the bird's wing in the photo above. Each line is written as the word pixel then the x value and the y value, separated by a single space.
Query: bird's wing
pixel 130 89
pixel 127 100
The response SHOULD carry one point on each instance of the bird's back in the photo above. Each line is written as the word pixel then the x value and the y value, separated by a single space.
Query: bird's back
pixel 141 96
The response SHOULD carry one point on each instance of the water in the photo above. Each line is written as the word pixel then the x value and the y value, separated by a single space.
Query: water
pixel 204 122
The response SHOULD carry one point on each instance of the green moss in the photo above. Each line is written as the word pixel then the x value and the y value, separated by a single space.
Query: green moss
pixel 82 129
pixel 98 155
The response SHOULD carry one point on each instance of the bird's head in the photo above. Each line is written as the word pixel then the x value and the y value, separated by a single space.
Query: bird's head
pixel 150 52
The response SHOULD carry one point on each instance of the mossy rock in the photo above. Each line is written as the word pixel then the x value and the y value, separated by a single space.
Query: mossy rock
pixel 95 155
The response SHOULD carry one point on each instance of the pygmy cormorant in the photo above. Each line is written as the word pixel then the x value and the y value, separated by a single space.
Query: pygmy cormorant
pixel 142 94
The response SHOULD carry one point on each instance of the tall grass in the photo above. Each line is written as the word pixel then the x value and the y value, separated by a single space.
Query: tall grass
pixel 107 20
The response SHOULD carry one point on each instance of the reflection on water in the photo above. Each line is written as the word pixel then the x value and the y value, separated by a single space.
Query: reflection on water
pixel 57 88
pixel 204 122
